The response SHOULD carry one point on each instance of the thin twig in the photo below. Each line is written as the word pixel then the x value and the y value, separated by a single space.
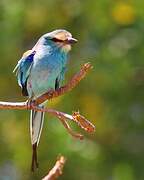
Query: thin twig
pixel 82 122
pixel 56 171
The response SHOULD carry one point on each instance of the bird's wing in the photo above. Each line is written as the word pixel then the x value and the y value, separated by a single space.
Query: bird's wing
pixel 60 78
pixel 22 69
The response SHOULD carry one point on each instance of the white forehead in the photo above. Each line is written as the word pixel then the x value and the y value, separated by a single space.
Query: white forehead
pixel 59 34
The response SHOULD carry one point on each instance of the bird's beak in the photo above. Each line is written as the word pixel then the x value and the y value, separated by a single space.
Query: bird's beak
pixel 71 40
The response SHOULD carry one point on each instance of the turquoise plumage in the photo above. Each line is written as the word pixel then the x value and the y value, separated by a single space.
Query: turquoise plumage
pixel 41 69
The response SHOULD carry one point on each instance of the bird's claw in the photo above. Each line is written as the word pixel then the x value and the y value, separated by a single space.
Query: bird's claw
pixel 30 103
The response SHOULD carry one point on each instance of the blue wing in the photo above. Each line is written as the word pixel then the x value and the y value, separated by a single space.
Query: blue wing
pixel 60 78
pixel 22 70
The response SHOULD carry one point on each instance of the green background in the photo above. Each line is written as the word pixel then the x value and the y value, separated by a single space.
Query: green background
pixel 111 37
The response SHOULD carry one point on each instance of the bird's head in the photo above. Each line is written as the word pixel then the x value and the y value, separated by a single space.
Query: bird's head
pixel 60 39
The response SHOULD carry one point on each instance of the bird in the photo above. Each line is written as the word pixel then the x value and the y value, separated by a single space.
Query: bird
pixel 40 70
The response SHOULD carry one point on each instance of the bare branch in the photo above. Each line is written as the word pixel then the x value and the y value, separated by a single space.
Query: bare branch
pixel 56 171
pixel 68 87
pixel 50 94
pixel 76 117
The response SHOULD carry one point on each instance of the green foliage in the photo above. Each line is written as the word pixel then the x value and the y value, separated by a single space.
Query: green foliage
pixel 111 37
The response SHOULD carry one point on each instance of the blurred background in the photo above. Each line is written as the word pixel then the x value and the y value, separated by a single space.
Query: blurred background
pixel 111 37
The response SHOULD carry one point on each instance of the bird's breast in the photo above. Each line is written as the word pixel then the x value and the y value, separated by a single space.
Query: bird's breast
pixel 46 68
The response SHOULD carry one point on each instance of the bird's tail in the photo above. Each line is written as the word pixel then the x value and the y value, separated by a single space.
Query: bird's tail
pixel 36 125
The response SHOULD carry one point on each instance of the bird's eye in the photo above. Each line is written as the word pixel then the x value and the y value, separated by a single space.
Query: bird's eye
pixel 57 40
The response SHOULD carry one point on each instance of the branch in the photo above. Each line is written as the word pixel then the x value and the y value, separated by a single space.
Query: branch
pixel 76 117
pixel 50 94
pixel 56 171
pixel 68 87
pixel 63 117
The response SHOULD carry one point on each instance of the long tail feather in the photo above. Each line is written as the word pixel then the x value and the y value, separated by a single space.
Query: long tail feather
pixel 34 162
pixel 36 125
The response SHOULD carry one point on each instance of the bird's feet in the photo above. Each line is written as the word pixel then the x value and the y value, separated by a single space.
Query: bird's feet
pixel 30 103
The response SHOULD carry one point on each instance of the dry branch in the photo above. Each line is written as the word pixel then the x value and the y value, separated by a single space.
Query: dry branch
pixel 63 117
pixel 76 117
pixel 50 94
pixel 56 171
pixel 68 87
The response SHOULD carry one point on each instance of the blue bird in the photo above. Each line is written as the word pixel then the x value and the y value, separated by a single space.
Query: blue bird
pixel 42 69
